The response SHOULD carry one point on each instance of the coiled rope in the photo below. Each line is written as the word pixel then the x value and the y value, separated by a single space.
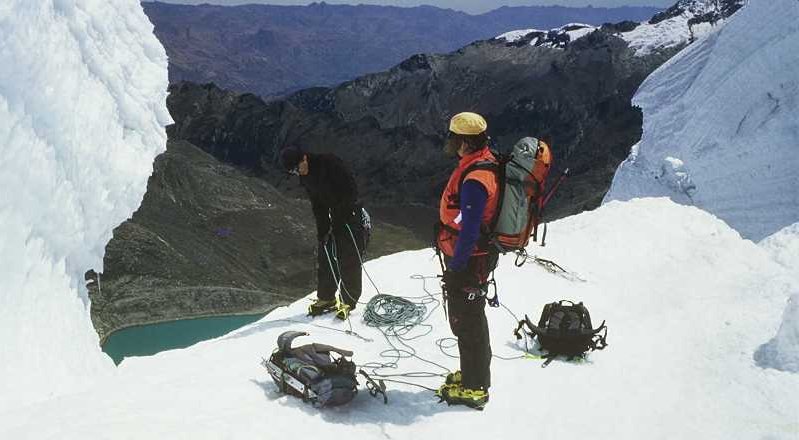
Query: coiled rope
pixel 396 317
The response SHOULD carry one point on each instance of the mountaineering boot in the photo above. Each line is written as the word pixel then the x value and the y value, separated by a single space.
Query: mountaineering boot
pixel 441 391
pixel 451 380
pixel 321 306
pixel 454 378
pixel 343 311
pixel 456 394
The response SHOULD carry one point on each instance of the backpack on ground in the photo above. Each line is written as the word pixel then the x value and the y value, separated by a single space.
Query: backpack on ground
pixel 522 179
pixel 565 329
pixel 312 373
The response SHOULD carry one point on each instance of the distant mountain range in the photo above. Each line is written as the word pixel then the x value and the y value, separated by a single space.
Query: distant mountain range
pixel 274 50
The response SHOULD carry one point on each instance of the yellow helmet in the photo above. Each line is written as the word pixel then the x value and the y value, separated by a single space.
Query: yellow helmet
pixel 467 123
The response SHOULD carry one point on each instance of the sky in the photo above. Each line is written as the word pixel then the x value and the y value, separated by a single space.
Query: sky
pixel 471 6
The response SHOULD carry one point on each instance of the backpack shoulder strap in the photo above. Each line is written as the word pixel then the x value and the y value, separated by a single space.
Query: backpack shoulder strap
pixel 477 166
pixel 499 170
pixel 533 329
pixel 324 348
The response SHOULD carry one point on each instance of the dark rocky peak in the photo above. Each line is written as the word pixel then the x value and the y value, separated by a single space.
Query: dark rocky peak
pixel 316 100
pixel 229 125
pixel 624 26
pixel 416 62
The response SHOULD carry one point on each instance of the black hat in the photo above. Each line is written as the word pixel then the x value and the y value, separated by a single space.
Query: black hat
pixel 290 157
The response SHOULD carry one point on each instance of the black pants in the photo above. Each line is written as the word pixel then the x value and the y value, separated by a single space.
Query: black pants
pixel 467 320
pixel 338 258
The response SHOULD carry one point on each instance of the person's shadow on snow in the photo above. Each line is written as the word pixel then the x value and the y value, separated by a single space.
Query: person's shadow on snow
pixel 403 407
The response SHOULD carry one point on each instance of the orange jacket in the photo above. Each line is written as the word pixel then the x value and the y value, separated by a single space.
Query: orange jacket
pixel 449 208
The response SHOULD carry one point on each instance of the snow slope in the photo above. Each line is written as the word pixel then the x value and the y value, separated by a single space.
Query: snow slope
pixel 514 36
pixel 647 38
pixel 558 37
pixel 82 110
pixel 721 129
pixel 782 352
pixel 687 307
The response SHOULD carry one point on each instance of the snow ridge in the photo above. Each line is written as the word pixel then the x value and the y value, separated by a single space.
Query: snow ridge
pixel 720 127
pixel 782 352
pixel 82 115
pixel 557 37
pixel 684 22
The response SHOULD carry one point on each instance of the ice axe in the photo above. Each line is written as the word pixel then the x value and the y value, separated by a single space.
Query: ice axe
pixel 548 197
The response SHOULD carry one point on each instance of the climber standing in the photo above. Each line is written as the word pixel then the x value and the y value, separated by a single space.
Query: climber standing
pixel 467 206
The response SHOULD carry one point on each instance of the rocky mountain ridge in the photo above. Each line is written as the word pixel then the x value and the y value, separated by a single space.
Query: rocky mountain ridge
pixel 390 126
pixel 274 50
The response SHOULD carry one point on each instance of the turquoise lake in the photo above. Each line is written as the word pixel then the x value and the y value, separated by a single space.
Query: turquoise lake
pixel 147 340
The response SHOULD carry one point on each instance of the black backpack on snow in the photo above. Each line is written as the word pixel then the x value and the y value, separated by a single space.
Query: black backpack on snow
pixel 565 329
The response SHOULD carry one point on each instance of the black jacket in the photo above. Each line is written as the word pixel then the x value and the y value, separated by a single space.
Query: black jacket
pixel 332 190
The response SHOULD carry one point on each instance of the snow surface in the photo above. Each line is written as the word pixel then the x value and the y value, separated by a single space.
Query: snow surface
pixel 721 130
pixel 576 34
pixel 581 30
pixel 687 307
pixel 647 38
pixel 82 110
pixel 514 36
pixel 782 352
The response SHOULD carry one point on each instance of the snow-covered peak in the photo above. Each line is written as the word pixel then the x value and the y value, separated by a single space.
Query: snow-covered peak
pixel 720 126
pixel 682 23
pixel 558 37
pixel 514 36
pixel 82 115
